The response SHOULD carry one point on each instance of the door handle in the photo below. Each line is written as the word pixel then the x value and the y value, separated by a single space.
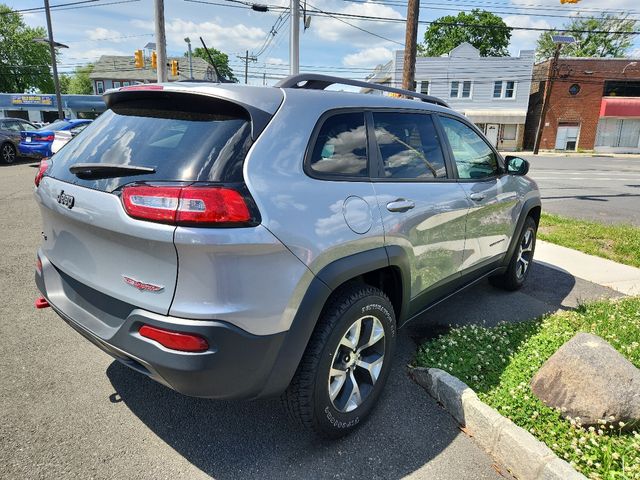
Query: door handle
pixel 477 197
pixel 400 205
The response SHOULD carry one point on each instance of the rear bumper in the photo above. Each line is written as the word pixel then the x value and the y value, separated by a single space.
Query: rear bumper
pixel 34 149
pixel 237 364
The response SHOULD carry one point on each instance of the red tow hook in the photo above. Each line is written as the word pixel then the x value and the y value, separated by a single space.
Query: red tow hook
pixel 41 302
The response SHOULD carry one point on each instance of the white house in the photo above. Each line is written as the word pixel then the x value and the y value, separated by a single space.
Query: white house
pixel 492 91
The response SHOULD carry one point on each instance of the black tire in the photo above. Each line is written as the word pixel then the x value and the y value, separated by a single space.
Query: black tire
pixel 307 398
pixel 8 152
pixel 522 258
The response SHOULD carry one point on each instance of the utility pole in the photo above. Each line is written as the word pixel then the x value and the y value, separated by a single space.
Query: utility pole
pixel 294 41
pixel 54 65
pixel 547 95
pixel 410 45
pixel 161 41
pixel 246 59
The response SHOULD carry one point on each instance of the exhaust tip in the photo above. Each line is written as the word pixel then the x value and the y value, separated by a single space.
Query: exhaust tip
pixel 41 302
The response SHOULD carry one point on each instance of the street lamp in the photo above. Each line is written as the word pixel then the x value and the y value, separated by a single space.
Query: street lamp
pixel 559 40
pixel 188 40
pixel 630 64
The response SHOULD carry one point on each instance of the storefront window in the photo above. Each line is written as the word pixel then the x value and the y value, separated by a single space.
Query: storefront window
pixel 509 132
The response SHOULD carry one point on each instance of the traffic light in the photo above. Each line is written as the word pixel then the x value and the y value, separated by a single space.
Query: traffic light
pixel 175 70
pixel 154 59
pixel 138 56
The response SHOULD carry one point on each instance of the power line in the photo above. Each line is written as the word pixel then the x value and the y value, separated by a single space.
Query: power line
pixel 357 27
pixel 70 6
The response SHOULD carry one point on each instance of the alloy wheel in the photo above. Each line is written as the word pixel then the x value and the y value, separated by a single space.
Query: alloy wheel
pixel 357 364
pixel 525 253
pixel 8 153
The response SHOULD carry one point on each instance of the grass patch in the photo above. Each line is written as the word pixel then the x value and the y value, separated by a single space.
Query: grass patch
pixel 499 363
pixel 620 243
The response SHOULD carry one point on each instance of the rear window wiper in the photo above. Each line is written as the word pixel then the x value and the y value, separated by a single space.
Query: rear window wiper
pixel 107 170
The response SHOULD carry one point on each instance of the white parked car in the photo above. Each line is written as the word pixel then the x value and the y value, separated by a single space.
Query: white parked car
pixel 62 137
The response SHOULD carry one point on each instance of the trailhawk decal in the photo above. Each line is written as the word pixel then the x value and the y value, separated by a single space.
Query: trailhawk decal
pixel 145 287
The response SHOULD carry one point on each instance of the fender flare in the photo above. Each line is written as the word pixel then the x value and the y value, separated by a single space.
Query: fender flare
pixel 326 281
pixel 528 205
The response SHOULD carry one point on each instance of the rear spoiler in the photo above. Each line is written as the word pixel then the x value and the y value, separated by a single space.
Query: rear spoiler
pixel 193 98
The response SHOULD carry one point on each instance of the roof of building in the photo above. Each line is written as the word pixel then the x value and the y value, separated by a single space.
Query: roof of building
pixel 119 67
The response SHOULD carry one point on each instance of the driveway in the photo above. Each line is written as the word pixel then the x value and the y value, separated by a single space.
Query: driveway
pixel 67 410
pixel 602 188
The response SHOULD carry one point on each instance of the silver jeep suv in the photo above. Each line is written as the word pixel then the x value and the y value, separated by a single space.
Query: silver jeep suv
pixel 238 242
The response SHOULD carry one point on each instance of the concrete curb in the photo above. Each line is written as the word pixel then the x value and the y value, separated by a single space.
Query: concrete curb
pixel 513 447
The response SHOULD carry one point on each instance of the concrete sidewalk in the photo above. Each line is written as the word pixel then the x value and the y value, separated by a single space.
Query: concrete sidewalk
pixel 619 277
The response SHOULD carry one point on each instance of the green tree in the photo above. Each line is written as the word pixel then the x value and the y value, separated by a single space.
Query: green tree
pixel 482 29
pixel 64 82
pixel 220 59
pixel 24 64
pixel 590 42
pixel 79 82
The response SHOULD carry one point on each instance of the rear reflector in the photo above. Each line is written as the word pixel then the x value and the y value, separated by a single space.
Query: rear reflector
pixel 42 169
pixel 184 342
pixel 193 206
pixel 41 302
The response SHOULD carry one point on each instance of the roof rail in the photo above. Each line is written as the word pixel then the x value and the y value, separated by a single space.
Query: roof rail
pixel 315 81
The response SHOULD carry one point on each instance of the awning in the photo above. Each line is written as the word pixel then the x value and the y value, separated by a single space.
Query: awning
pixel 620 107
pixel 496 116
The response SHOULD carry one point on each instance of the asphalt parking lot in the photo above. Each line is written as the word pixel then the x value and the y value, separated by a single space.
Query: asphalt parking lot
pixel 601 188
pixel 67 410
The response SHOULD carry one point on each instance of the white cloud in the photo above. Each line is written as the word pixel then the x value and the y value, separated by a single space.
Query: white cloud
pixel 80 56
pixel 524 39
pixel 104 34
pixel 232 38
pixel 333 30
pixel 276 61
pixel 369 57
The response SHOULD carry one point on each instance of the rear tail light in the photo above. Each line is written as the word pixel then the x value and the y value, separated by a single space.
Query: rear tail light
pixel 184 342
pixel 189 206
pixel 42 169
pixel 46 138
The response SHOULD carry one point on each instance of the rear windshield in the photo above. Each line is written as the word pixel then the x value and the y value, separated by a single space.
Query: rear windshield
pixel 182 141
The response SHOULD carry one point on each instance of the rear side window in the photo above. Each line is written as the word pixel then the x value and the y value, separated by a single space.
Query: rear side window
pixel 409 146
pixel 184 140
pixel 341 146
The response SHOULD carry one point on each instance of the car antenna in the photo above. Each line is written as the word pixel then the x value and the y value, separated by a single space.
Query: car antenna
pixel 219 78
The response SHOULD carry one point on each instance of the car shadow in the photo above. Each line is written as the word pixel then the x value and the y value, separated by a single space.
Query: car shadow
pixel 405 432
pixel 21 161
pixel 255 439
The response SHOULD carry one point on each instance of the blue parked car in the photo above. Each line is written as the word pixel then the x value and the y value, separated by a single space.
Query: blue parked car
pixel 37 143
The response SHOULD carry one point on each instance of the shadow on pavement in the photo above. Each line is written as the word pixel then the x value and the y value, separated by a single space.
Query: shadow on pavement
pixel 255 439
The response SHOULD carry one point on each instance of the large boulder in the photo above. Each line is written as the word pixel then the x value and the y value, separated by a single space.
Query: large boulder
pixel 588 378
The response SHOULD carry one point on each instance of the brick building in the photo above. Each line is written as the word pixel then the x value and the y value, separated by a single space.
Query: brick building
pixel 594 105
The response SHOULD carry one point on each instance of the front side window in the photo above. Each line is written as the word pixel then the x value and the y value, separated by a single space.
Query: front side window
pixel 27 127
pixel 341 146
pixel 409 146
pixel 474 158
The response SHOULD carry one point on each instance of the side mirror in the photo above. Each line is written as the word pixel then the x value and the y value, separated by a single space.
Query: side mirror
pixel 517 165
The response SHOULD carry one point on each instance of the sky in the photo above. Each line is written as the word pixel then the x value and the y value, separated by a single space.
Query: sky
pixel 329 46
